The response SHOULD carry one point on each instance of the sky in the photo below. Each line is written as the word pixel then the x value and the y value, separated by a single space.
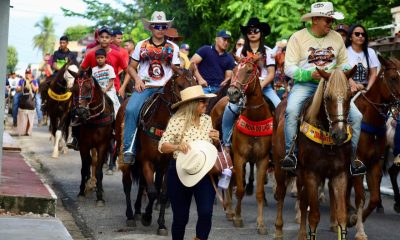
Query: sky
pixel 24 15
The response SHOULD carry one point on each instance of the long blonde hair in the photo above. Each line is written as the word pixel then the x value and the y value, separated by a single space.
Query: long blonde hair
pixel 188 112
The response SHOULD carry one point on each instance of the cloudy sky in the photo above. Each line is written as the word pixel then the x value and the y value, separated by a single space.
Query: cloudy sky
pixel 24 15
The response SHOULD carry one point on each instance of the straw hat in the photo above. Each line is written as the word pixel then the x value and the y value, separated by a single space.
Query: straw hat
pixel 195 164
pixel 192 93
pixel 322 9
pixel 157 18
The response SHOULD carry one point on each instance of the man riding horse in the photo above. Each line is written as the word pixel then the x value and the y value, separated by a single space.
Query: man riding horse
pixel 300 64
pixel 155 55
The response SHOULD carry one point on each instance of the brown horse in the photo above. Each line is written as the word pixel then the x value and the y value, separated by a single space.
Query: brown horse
pixel 96 112
pixel 155 115
pixel 328 109
pixel 58 101
pixel 383 96
pixel 247 147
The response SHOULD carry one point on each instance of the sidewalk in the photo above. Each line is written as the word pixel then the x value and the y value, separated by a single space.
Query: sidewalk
pixel 22 192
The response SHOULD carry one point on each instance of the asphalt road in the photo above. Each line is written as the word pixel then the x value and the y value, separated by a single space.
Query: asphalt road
pixel 108 222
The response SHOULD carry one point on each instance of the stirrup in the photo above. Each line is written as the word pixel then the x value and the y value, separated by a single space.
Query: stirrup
pixel 128 158
pixel 289 159
pixel 358 170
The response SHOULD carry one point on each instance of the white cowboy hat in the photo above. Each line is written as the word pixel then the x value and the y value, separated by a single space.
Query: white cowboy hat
pixel 157 18
pixel 192 93
pixel 322 9
pixel 195 164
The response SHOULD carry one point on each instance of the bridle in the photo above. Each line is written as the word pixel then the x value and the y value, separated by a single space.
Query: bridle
pixel 80 81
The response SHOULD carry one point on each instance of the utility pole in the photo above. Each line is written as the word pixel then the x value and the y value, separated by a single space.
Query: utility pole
pixel 4 22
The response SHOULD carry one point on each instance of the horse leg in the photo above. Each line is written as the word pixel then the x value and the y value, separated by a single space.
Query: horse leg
pixel 250 183
pixel 56 143
pixel 279 196
pixel 101 158
pixel 239 161
pixel 359 200
pixel 148 173
pixel 138 202
pixel 311 185
pixel 85 171
pixel 229 213
pixel 111 158
pixel 162 229
pixel 339 189
pixel 393 172
pixel 302 200
pixel 374 177
pixel 261 170
pixel 127 183
pixel 332 207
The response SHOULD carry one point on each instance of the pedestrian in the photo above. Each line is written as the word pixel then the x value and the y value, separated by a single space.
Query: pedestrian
pixel 342 29
pixel 254 33
pixel 155 56
pixel 214 63
pixel 317 46
pixel 184 55
pixel 13 82
pixel 363 57
pixel 192 160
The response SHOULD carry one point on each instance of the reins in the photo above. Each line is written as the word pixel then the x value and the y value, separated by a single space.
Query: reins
pixel 80 82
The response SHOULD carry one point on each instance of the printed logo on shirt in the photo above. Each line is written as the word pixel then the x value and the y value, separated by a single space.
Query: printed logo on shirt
pixel 321 56
pixel 103 77
pixel 156 56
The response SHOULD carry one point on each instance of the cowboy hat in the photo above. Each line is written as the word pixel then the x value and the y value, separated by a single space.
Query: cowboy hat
pixel 157 18
pixel 192 93
pixel 322 9
pixel 195 164
pixel 173 34
pixel 255 23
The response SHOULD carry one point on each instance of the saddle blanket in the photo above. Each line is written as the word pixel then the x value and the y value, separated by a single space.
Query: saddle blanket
pixel 255 129
pixel 319 136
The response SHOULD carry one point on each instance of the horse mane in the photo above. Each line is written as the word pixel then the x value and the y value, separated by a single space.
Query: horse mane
pixel 337 85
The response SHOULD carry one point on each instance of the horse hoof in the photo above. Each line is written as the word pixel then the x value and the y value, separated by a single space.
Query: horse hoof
pixel 146 220
pixel 249 190
pixel 65 150
pixel 100 203
pixel 229 216
pixel 352 220
pixel 156 207
pixel 396 207
pixel 131 223
pixel 238 223
pixel 262 230
pixel 162 232
pixel 361 236
pixel 109 172
pixel 137 216
pixel 278 234
pixel 380 210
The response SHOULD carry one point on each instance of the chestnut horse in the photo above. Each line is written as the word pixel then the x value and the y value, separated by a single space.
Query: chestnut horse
pixel 154 119
pixel 96 113
pixel 58 97
pixel 247 147
pixel 383 96
pixel 328 109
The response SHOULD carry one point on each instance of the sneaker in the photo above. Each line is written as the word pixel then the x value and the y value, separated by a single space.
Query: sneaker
pixel 358 168
pixel 289 162
pixel 73 144
pixel 396 160
pixel 129 158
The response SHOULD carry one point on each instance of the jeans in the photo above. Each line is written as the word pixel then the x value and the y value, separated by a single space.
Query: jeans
pixel 299 93
pixel 38 103
pixel 231 110
pixel 396 150
pixel 16 98
pixel 132 112
pixel 211 89
pixel 181 197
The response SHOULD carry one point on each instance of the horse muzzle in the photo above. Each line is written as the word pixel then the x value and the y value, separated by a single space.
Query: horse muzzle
pixel 83 113
pixel 234 94
pixel 339 136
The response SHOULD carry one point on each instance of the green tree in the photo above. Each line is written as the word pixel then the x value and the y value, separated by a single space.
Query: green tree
pixel 45 40
pixel 12 59
pixel 77 32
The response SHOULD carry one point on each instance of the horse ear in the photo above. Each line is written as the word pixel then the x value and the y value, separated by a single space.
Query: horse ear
pixel 192 68
pixel 176 69
pixel 351 72
pixel 383 61
pixel 324 74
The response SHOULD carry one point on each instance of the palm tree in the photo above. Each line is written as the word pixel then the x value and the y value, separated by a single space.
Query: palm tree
pixel 44 41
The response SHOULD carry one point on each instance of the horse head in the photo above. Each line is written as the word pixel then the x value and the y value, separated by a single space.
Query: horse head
pixel 181 79
pixel 390 75
pixel 245 73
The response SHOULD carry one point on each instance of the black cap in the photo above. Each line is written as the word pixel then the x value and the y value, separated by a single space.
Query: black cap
pixel 106 30
pixel 100 52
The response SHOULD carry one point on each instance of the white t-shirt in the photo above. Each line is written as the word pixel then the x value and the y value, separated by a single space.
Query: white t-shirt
pixel 13 82
pixel 360 60
pixel 103 75
pixel 155 61
pixel 269 61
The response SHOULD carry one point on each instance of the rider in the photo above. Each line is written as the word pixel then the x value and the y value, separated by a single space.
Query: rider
pixel 342 29
pixel 307 49
pixel 214 63
pixel 254 33
pixel 61 56
pixel 155 56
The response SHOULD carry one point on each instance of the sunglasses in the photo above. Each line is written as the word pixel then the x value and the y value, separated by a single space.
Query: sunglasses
pixel 239 44
pixel 160 27
pixel 358 34
pixel 253 31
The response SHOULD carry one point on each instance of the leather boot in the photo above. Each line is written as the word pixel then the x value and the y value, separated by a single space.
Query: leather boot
pixel 73 144
pixel 289 162
pixel 356 166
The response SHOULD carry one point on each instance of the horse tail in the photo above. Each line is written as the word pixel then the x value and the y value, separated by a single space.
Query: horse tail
pixel 136 172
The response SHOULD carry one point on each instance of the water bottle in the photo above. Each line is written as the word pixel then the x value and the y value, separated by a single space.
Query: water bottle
pixel 223 182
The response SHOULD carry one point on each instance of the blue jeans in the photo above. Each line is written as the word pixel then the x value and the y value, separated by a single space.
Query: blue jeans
pixel 231 110
pixel 16 98
pixel 299 93
pixel 211 89
pixel 181 197
pixel 396 149
pixel 38 103
pixel 132 112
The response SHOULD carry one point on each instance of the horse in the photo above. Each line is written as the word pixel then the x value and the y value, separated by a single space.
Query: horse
pixel 96 113
pixel 155 115
pixel 249 144
pixel 328 109
pixel 58 97
pixel 383 96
